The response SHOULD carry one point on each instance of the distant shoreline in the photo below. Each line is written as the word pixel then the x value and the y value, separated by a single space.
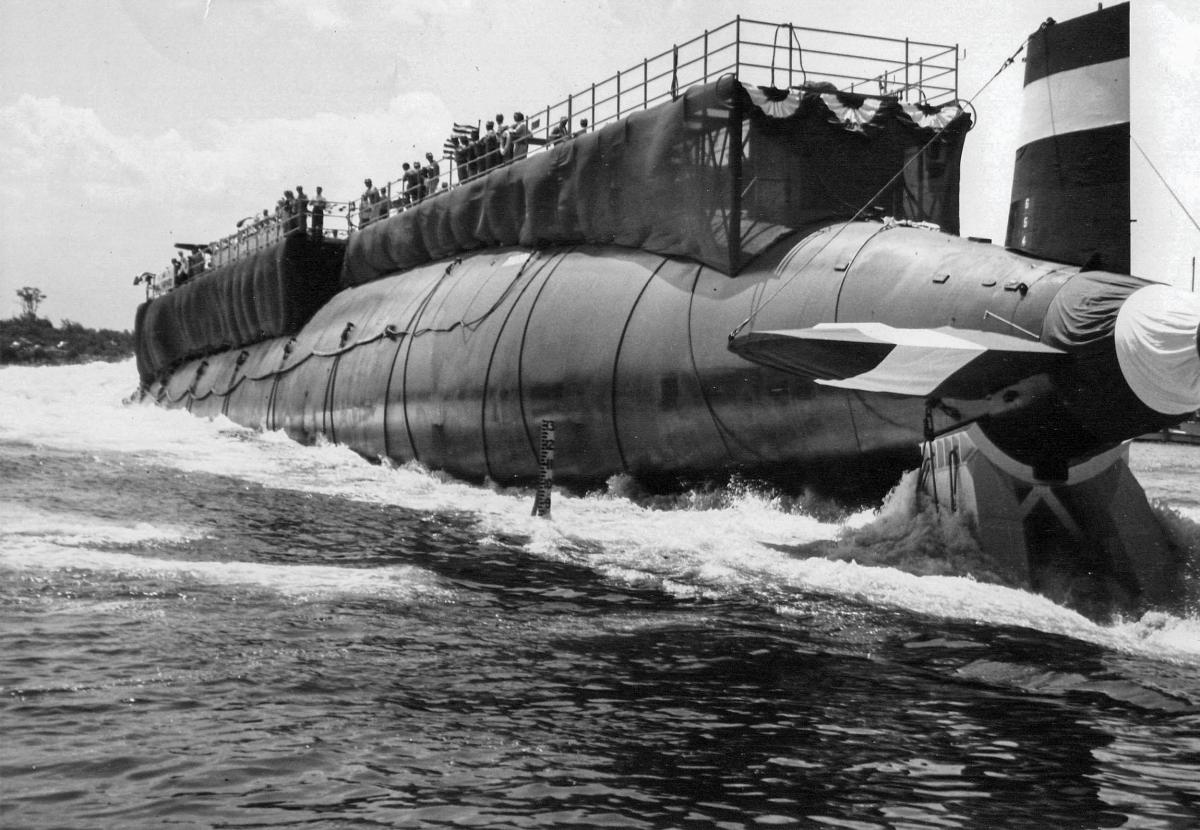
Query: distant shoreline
pixel 35 341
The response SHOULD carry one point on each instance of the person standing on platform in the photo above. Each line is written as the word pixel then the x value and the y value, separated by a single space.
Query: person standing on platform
pixel 366 204
pixel 460 158
pixel 491 148
pixel 318 215
pixel 301 208
pixel 383 207
pixel 518 139
pixel 411 181
pixel 502 134
pixel 289 212
pixel 474 155
pixel 432 172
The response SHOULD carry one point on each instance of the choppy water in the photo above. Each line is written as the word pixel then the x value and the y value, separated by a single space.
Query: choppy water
pixel 204 626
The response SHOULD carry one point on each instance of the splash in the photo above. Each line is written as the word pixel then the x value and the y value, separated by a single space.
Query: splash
pixel 912 533
pixel 733 541
pixel 1184 534
pixel 713 496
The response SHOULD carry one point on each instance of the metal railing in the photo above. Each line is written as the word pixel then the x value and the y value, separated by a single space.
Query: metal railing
pixel 779 55
pixel 257 232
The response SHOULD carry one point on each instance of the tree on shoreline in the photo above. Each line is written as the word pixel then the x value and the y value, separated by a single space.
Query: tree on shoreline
pixel 30 298
pixel 32 340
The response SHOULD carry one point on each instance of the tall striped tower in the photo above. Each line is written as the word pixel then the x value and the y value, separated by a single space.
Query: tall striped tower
pixel 1070 194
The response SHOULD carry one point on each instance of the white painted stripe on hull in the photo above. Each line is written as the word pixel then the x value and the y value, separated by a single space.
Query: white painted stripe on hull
pixel 911 370
pixel 1086 98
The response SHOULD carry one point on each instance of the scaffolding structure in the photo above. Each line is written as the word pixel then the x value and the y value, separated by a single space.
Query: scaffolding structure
pixel 781 56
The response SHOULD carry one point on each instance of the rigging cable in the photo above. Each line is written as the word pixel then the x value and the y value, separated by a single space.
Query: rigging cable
pixel 1170 190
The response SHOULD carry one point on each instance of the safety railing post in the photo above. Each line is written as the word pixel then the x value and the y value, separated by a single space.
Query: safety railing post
pixel 645 83
pixel 906 65
pixel 592 111
pixel 675 72
pixel 735 196
pixel 737 46
pixel 706 56
pixel 618 96
pixel 956 72
pixel 570 116
pixel 791 40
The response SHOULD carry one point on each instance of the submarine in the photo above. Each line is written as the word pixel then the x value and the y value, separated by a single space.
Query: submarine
pixel 736 278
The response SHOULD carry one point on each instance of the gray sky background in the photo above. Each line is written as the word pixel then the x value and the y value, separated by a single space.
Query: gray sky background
pixel 127 126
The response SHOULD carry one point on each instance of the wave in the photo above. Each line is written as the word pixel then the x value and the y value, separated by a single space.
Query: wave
pixel 729 541
pixel 93 570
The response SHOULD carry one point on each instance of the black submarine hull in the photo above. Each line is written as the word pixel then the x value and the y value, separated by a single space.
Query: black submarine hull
pixel 691 293
pixel 455 364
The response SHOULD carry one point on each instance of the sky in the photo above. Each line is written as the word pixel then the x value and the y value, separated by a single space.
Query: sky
pixel 129 125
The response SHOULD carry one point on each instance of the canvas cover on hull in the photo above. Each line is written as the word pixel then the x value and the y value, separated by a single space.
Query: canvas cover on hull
pixel 270 293
pixel 714 176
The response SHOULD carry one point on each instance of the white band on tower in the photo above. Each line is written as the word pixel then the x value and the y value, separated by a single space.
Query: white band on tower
pixel 1085 98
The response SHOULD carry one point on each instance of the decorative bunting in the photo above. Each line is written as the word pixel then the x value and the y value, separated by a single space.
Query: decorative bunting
pixel 784 103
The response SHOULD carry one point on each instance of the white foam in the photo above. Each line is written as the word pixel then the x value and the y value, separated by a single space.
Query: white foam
pixel 400 582
pixel 1159 633
pixel 76 529
pixel 727 550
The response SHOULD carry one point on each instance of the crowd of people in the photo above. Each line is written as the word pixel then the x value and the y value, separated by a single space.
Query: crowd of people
pixel 416 182
pixel 295 213
pixel 192 261
pixel 190 264
pixel 472 153
pixel 294 210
